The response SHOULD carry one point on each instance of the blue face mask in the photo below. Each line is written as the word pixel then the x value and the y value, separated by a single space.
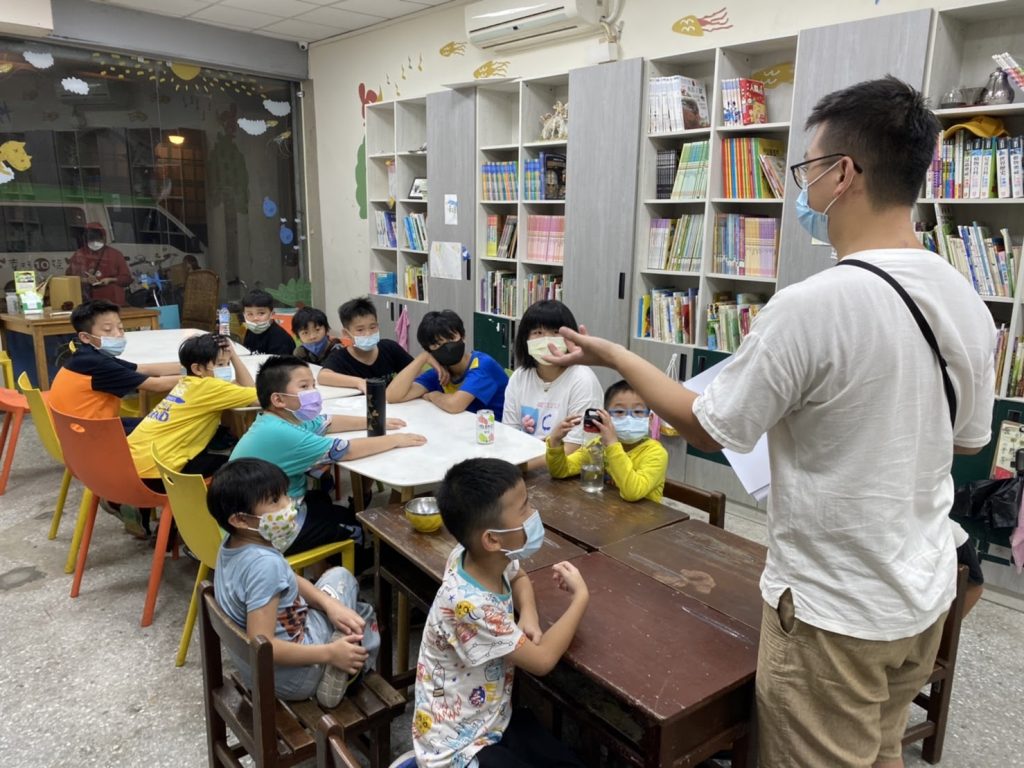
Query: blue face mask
pixel 815 222
pixel 112 345
pixel 534 530
pixel 632 429
pixel 224 372
pixel 317 347
pixel 366 343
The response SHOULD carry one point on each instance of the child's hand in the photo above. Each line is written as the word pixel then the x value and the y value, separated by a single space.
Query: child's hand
pixel 568 578
pixel 605 427
pixel 347 654
pixel 342 618
pixel 395 424
pixel 408 440
pixel 361 385
pixel 530 624
pixel 564 428
pixel 442 373
pixel 529 425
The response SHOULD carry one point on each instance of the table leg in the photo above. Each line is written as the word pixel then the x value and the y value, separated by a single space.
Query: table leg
pixel 39 349
pixel 357 492
pixel 402 631
pixel 384 594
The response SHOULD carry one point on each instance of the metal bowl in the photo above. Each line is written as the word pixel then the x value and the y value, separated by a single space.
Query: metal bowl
pixel 423 514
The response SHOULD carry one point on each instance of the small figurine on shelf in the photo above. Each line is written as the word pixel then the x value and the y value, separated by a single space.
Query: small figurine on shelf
pixel 555 124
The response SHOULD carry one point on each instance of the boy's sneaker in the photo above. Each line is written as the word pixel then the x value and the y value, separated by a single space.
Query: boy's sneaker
pixel 333 684
pixel 129 515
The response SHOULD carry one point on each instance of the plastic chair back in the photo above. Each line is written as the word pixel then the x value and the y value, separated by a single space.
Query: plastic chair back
pixel 96 451
pixel 41 418
pixel 187 494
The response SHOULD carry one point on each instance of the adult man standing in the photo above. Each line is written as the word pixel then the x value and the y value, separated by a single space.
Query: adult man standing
pixel 862 427
pixel 103 269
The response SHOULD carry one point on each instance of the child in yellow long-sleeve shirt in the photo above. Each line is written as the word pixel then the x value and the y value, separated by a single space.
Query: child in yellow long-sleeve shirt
pixel 636 463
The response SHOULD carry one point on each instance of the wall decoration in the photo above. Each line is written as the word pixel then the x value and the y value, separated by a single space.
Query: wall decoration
pixel 138 116
pixel 185 77
pixel 255 127
pixel 555 124
pixel 294 293
pixel 286 234
pixel 75 85
pixel 38 59
pixel 696 27
pixel 277 108
pixel 775 75
pixel 491 68
pixel 282 142
pixel 6 66
pixel 361 178
pixel 13 157
pixel 453 48
pixel 367 97
pixel 269 208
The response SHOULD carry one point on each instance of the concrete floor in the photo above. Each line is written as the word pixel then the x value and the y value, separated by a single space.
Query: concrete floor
pixel 82 684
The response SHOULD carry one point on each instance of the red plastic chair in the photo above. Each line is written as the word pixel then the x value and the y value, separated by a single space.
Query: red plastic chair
pixel 96 451
pixel 14 407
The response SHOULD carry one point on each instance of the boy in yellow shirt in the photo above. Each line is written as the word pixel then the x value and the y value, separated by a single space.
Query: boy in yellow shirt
pixel 183 423
pixel 636 463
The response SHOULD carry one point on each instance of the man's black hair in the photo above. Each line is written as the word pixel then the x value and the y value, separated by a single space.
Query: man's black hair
pixel 275 375
pixel 439 327
pixel 549 314
pixel 885 126
pixel 470 497
pixel 83 317
pixel 240 485
pixel 358 307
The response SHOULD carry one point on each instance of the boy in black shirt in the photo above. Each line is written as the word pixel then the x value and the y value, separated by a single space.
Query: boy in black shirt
pixel 263 335
pixel 310 324
pixel 369 356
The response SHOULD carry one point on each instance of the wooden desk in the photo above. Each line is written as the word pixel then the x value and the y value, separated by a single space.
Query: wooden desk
pixel 685 672
pixel 39 326
pixel 594 520
pixel 715 567
pixel 403 559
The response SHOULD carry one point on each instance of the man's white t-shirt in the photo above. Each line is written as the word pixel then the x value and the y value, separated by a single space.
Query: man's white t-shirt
pixel 536 407
pixel 839 375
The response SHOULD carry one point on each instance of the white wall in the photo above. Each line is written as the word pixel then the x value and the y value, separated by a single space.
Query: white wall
pixel 33 18
pixel 381 61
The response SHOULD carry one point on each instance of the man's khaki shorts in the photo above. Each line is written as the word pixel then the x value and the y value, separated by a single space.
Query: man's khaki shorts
pixel 825 699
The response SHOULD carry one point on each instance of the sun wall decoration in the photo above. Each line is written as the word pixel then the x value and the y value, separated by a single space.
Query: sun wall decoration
pixel 185 77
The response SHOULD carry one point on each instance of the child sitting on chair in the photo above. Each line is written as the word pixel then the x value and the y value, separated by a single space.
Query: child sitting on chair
pixel 322 636
pixel 316 346
pixel 471 643
pixel 636 463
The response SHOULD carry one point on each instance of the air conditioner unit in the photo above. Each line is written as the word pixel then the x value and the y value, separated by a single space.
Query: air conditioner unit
pixel 506 24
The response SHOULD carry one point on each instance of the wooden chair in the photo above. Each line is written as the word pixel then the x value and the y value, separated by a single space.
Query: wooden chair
pixel 331 751
pixel 44 426
pixel 274 732
pixel 96 451
pixel 936 701
pixel 199 302
pixel 202 535
pixel 712 502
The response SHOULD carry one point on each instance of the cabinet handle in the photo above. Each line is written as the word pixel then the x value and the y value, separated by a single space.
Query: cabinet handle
pixel 622 285
pixel 391 308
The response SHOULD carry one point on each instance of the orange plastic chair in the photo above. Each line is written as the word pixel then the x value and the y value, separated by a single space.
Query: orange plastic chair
pixel 96 451
pixel 14 407
pixel 202 535
pixel 44 426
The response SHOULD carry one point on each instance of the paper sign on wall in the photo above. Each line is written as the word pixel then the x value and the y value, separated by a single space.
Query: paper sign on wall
pixel 445 260
pixel 451 210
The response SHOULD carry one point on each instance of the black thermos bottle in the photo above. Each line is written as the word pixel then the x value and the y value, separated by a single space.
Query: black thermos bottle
pixel 376 407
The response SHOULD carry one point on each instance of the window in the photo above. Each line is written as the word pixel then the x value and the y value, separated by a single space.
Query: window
pixel 40 228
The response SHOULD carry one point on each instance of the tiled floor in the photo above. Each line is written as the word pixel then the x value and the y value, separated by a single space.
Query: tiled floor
pixel 82 684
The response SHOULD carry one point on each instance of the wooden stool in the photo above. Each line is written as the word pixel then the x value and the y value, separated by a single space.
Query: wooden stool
pixel 14 407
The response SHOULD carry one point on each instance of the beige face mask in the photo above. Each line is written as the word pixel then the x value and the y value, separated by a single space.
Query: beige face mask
pixel 538 348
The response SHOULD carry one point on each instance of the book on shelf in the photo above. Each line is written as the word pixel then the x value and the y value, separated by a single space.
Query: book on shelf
pixel 386 237
pixel 675 244
pixel 745 245
pixel 544 177
pixel 498 292
pixel 987 260
pixel 1009 64
pixel 392 184
pixel 665 173
pixel 545 238
pixel 743 102
pixel 415 283
pixel 506 248
pixel 384 283
pixel 691 182
pixel 416 231
pixel 495 225
pixel 668 314
pixel 1002 336
pixel 500 180
pixel 729 317
pixel 743 173
pixel 540 286
pixel 774 169
pixel 970 167
pixel 676 103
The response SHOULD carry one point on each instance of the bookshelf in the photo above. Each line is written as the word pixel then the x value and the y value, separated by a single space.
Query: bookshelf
pixel 396 143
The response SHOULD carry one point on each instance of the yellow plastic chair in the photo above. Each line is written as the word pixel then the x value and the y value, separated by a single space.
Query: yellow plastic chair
pixel 202 535
pixel 8 369
pixel 44 426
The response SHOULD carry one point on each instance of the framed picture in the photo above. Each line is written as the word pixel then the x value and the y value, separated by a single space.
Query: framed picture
pixel 418 190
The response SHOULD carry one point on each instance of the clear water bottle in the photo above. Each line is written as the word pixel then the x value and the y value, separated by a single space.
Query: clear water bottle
pixel 592 470
pixel 223 320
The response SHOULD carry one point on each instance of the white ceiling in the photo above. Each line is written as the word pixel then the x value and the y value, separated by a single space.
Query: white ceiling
pixel 298 20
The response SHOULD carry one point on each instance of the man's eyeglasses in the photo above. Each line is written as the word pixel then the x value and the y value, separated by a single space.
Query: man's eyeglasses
pixel 800 170
pixel 638 413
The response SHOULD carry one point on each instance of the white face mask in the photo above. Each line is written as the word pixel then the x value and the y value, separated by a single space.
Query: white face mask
pixel 95 245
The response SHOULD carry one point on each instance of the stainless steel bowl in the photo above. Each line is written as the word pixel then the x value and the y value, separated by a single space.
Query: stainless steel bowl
pixel 423 514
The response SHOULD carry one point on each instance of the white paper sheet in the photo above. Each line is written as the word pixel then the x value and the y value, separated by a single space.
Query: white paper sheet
pixel 752 469
pixel 445 260
pixel 451 210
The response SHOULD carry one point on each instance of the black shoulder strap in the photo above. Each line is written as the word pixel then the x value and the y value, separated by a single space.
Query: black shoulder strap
pixel 926 329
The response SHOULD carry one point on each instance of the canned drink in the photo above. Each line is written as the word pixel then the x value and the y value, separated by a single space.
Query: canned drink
pixel 485 427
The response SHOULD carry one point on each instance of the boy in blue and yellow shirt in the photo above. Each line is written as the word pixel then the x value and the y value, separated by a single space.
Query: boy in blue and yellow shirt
pixel 636 463
pixel 459 379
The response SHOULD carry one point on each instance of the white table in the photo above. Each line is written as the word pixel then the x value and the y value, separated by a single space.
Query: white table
pixel 451 438
pixel 253 363
pixel 147 347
